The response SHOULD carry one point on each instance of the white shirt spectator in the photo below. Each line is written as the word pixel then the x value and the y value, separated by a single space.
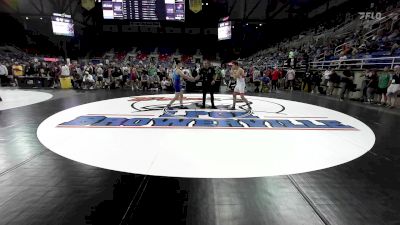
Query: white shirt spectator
pixel 291 54
pixel 291 74
pixel 187 71
pixel 88 68
pixel 256 75
pixel 125 70
pixel 368 75
pixel 88 78
pixel 164 84
pixel 99 71
pixel 3 70
pixel 65 71
pixel 327 74
pixel 223 72
pixel 79 71
pixel 170 73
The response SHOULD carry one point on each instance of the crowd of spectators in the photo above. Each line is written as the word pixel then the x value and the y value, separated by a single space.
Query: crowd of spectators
pixel 328 42
pixel 379 89
pixel 136 75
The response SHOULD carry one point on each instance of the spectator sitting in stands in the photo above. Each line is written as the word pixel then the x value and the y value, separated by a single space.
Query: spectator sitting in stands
pixel 125 75
pixel 116 77
pixel 65 71
pixel 77 78
pixel 169 85
pixel 88 81
pixel 362 48
pixel 31 70
pixel 346 49
pixel 394 48
pixel 265 83
pixel 43 70
pixel 155 82
pixel 165 83
pixel 394 34
pixel 341 59
pixel 354 53
pixel 144 81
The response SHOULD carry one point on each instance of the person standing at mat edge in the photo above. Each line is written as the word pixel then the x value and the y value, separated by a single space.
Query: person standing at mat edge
pixel 3 75
pixel 177 74
pixel 240 87
pixel 394 88
pixel 208 82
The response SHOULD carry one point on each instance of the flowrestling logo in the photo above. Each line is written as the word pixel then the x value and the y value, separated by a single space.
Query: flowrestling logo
pixel 264 115
pixel 370 16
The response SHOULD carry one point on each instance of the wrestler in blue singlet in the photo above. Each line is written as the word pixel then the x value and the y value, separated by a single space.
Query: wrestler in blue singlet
pixel 177 82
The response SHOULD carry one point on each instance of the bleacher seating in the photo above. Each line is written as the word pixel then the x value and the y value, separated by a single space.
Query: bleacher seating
pixel 351 39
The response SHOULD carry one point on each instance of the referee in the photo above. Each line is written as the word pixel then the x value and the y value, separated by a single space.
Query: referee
pixel 208 82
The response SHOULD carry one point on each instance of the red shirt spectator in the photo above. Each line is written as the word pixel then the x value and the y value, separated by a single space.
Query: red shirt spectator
pixel 269 73
pixel 276 74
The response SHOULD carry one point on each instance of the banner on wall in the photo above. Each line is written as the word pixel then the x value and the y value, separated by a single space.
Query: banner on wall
pixel 88 4
pixel 195 5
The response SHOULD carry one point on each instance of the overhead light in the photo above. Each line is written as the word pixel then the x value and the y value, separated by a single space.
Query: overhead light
pixel 27 18
pixel 206 3
pixel 247 24
pixel 41 18
pixel 260 24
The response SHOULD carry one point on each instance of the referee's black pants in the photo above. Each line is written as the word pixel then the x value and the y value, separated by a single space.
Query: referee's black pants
pixel 208 89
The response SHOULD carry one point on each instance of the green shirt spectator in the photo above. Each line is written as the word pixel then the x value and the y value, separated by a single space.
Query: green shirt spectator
pixel 384 80
pixel 152 71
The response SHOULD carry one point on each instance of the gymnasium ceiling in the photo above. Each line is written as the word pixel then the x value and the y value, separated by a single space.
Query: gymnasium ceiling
pixel 257 10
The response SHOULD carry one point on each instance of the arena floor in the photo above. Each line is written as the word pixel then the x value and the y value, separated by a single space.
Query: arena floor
pixel 38 186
